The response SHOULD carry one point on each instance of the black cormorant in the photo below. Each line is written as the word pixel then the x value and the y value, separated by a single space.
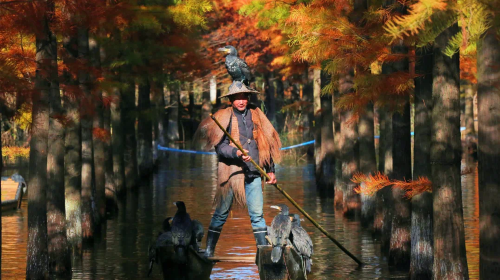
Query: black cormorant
pixel 182 231
pixel 198 234
pixel 279 232
pixel 301 241
pixel 164 239
pixel 237 67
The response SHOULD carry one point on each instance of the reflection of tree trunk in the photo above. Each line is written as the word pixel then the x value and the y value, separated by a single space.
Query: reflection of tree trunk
pixel 87 145
pixel 367 160
pixel 118 139
pixel 489 155
pixel 399 252
pixel 421 205
pixel 350 164
pixel 450 261
pixel 72 156
pixel 37 258
pixel 173 115
pixel 130 144
pixel 59 258
pixel 98 142
pixel 144 132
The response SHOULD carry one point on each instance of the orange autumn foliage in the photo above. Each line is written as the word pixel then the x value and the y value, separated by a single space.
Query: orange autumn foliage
pixel 371 184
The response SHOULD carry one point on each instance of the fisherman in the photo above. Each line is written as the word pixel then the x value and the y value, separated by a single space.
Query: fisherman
pixel 238 179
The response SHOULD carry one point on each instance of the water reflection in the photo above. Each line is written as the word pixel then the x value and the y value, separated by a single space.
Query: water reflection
pixel 120 252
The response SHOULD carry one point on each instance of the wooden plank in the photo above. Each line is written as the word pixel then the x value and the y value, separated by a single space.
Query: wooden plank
pixel 234 259
pixel 9 189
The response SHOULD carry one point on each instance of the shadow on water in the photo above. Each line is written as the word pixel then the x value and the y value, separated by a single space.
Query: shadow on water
pixel 121 250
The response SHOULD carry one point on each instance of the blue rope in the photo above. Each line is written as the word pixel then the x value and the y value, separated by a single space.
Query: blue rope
pixel 284 148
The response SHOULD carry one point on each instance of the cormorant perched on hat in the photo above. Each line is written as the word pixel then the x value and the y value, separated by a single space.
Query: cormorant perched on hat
pixel 237 67
pixel 182 231
pixel 279 232
pixel 302 242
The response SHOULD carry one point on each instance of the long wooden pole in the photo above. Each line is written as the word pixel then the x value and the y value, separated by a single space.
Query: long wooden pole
pixel 288 196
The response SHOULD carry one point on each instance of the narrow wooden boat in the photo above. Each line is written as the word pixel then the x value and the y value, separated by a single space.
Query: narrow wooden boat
pixel 196 266
pixel 12 192
pixel 290 266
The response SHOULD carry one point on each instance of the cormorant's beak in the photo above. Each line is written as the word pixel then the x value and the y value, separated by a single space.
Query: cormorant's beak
pixel 175 203
pixel 276 207
pixel 223 50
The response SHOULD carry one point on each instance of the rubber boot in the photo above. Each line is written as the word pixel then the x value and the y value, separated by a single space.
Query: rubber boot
pixel 260 236
pixel 212 238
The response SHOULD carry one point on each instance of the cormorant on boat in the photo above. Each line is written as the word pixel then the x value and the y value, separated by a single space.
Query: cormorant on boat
pixel 301 241
pixel 237 67
pixel 279 232
pixel 198 234
pixel 182 231
pixel 164 239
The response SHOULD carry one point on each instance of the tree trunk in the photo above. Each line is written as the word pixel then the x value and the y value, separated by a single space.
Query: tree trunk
pixel 1 170
pixel 72 156
pixel 109 184
pixel 86 134
pixel 159 116
pixel 350 164
pixel 99 141
pixel 450 261
pixel 421 205
pixel 317 127
pixel 173 115
pixel 280 96
pixel 213 89
pixel 118 141
pixel 144 130
pixel 399 251
pixel 270 97
pixel 489 155
pixel 37 255
pixel 338 200
pixel 327 150
pixel 129 119
pixel 367 161
pixel 59 257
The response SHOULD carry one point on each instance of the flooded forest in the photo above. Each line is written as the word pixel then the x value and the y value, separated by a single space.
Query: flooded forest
pixel 386 117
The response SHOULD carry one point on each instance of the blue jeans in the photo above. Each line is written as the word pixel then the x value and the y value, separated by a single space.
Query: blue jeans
pixel 255 204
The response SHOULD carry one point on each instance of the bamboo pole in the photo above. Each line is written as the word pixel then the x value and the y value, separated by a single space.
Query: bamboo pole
pixel 289 197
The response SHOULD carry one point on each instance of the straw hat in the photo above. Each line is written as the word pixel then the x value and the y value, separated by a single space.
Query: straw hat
pixel 238 87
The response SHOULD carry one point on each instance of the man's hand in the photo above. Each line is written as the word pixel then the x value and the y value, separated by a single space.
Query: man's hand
pixel 273 179
pixel 243 157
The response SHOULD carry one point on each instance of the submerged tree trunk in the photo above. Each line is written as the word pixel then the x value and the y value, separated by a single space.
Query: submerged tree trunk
pixel 489 154
pixel 99 139
pixel 144 130
pixel 128 120
pixel 421 205
pixel 118 140
pixel 399 251
pixel 37 255
pixel 86 134
pixel 59 257
pixel 350 164
pixel 367 161
pixel 450 261
pixel 72 156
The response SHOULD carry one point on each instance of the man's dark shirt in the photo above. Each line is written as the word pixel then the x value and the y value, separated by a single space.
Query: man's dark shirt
pixel 245 126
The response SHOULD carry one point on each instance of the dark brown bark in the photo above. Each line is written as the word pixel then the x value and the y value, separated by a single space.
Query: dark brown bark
pixel 109 184
pixel 338 200
pixel 450 261
pixel 349 140
pixel 57 243
pixel 469 109
pixel 130 149
pixel 421 260
pixel 37 255
pixel 98 142
pixel 159 116
pixel 118 140
pixel 270 102
pixel 144 130
pixel 72 156
pixel 399 251
pixel 367 161
pixel 86 134
pixel 489 155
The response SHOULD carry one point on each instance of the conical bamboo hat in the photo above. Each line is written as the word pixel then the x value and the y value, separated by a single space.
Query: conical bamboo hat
pixel 238 87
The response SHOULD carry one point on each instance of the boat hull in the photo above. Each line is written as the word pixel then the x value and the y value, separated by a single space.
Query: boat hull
pixel 290 266
pixel 195 267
